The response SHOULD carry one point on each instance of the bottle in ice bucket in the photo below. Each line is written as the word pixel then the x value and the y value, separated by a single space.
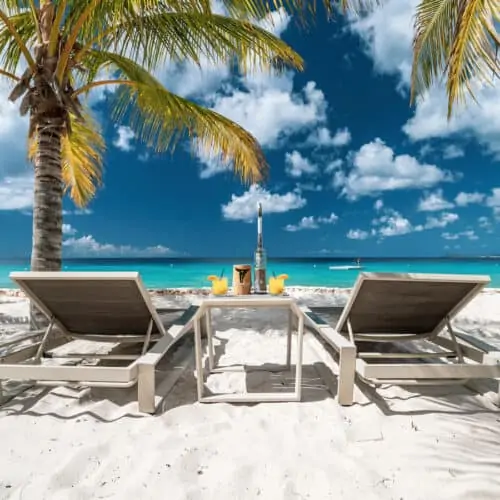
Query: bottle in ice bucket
pixel 260 260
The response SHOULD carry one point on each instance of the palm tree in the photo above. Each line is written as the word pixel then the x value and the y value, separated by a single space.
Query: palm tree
pixel 458 39
pixel 56 51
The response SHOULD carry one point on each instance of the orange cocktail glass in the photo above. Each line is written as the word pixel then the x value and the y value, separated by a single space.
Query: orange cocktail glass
pixel 219 285
pixel 277 284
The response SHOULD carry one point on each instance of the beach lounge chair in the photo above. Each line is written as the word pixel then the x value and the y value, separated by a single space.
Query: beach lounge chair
pixel 396 309
pixel 97 306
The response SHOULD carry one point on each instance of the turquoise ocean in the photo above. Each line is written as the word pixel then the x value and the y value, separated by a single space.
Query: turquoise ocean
pixel 192 273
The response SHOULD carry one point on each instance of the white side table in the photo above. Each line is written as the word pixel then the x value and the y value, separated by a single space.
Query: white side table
pixel 248 301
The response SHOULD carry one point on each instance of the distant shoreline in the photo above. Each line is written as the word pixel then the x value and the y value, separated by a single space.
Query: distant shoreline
pixel 249 258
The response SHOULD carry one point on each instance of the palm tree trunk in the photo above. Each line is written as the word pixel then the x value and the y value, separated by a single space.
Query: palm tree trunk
pixel 46 252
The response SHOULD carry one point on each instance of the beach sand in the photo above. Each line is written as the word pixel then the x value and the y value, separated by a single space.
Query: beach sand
pixel 393 443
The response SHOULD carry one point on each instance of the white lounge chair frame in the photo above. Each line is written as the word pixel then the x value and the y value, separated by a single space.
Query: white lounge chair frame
pixel 15 365
pixel 473 359
pixel 248 301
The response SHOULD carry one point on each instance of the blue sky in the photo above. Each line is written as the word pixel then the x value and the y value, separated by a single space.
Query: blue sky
pixel 354 169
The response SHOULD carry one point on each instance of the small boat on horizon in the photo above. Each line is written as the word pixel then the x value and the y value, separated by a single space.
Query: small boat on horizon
pixel 351 267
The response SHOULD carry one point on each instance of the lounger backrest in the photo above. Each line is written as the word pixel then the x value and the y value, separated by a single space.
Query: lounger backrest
pixel 407 303
pixel 101 303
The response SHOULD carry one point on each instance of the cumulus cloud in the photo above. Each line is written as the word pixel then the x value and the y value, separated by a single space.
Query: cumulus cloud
pixel 376 168
pixel 387 34
pixel 243 207
pixel 493 201
pixel 304 223
pixel 463 199
pixel 88 246
pixel 322 138
pixel 16 192
pixel 68 229
pixel 469 234
pixel 125 136
pixel 357 234
pixel 453 151
pixel 297 166
pixel 390 223
pixel 311 222
pixel 433 202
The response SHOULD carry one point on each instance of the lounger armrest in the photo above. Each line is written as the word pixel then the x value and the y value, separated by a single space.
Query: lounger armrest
pixel 327 332
pixel 187 316
pixel 478 343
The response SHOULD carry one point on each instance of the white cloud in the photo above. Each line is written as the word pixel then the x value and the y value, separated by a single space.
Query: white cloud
pixel 393 224
pixel 243 207
pixel 331 219
pixel 308 186
pixel 297 166
pixel 333 166
pixel 463 199
pixel 378 205
pixel 484 222
pixel 358 234
pixel 322 138
pixel 88 246
pixel 311 222
pixel 453 151
pixel 124 139
pixel 441 221
pixel 16 192
pixel 376 168
pixel 469 234
pixel 387 32
pixel 272 114
pixel 493 201
pixel 433 202
pixel 68 229
pixel 78 211
pixel 479 121
pixel 304 223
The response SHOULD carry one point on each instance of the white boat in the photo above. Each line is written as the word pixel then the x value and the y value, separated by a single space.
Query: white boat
pixel 345 268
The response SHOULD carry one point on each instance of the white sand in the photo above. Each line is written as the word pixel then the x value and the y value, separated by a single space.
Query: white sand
pixel 77 443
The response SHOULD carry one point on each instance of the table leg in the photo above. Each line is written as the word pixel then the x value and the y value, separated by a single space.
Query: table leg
pixel 300 345
pixel 289 340
pixel 198 357
pixel 208 326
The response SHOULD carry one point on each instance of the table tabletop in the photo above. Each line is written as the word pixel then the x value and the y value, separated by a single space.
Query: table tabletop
pixel 254 300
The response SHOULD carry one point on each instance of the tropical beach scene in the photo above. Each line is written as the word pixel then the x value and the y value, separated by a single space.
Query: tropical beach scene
pixel 250 249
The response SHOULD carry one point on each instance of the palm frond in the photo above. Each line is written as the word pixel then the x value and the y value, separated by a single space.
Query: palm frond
pixel 457 39
pixel 154 38
pixel 303 10
pixel 82 159
pixel 472 54
pixel 161 119
pixel 435 22
pixel 16 38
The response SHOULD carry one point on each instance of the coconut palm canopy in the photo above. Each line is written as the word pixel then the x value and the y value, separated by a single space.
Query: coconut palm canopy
pixel 457 39
pixel 68 48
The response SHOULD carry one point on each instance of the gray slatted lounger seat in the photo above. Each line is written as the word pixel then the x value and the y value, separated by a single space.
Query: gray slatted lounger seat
pixel 99 306
pixel 392 307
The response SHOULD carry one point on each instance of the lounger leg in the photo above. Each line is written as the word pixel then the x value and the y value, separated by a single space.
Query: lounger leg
pixel 208 326
pixel 148 337
pixel 41 348
pixel 198 355
pixel 146 388
pixel 349 329
pixel 455 342
pixel 300 346
pixel 347 371
pixel 289 340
